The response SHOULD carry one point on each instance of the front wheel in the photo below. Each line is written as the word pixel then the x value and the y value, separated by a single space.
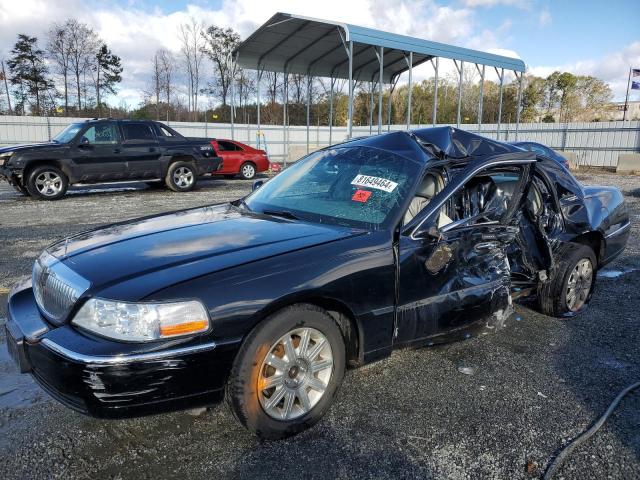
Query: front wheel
pixel 568 290
pixel 181 177
pixel 47 182
pixel 287 372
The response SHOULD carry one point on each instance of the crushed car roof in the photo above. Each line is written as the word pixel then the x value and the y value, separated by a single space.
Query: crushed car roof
pixel 451 142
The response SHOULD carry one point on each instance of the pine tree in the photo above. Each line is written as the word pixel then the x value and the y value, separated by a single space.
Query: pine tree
pixel 108 69
pixel 29 73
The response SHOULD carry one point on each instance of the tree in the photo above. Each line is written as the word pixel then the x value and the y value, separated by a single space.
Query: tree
pixel 165 58
pixel 156 82
pixel 190 36
pixel 29 72
pixel 83 46
pixel 108 69
pixel 59 52
pixel 219 44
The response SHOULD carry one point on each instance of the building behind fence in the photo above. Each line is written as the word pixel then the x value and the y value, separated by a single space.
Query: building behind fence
pixel 594 144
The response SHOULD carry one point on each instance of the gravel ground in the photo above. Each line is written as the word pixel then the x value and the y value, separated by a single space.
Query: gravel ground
pixel 535 385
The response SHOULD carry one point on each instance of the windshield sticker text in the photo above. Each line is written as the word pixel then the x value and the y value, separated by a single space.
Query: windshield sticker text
pixel 374 182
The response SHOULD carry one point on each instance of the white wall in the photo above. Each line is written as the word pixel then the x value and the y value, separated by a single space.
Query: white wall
pixel 594 143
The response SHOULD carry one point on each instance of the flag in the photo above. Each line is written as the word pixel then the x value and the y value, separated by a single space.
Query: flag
pixel 635 85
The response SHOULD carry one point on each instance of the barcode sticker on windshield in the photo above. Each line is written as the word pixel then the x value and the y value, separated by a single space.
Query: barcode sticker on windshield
pixel 374 182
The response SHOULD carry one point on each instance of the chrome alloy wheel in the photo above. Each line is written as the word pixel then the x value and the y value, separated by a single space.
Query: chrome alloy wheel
pixel 248 170
pixel 49 184
pixel 579 285
pixel 183 177
pixel 295 373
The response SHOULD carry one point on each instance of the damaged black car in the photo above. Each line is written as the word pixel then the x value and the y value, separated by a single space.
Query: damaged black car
pixel 403 239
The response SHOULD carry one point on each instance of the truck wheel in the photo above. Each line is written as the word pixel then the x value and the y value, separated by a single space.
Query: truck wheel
pixel 181 177
pixel 248 170
pixel 47 182
pixel 287 372
pixel 568 290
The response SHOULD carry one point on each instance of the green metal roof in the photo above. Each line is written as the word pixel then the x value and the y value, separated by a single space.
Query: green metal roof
pixel 298 44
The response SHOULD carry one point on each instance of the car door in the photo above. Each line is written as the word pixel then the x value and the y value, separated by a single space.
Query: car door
pixel 97 154
pixel 453 266
pixel 232 156
pixel 141 150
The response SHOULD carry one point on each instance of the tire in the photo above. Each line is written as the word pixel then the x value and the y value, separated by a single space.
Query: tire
pixel 299 405
pixel 247 170
pixel 47 183
pixel 181 177
pixel 576 264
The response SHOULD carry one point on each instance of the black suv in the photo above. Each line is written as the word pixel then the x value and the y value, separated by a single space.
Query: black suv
pixel 108 151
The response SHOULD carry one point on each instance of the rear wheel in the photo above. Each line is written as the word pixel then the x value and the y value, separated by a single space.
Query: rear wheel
pixel 47 182
pixel 287 372
pixel 248 170
pixel 568 290
pixel 181 177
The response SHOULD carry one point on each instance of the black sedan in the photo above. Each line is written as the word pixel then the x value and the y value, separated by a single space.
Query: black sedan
pixel 398 240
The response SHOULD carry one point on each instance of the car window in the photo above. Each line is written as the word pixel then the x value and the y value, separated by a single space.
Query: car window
pixel 101 134
pixel 137 131
pixel 69 133
pixel 540 150
pixel 360 186
pixel 169 134
pixel 485 198
pixel 227 146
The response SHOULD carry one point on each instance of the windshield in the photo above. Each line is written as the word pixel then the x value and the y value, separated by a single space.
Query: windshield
pixel 68 134
pixel 355 186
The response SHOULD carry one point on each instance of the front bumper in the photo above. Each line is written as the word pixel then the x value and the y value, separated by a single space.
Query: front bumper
pixel 110 379
pixel 8 175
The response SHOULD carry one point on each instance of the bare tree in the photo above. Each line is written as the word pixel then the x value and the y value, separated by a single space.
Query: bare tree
pixel 59 51
pixel 192 40
pixel 83 45
pixel 156 82
pixel 166 67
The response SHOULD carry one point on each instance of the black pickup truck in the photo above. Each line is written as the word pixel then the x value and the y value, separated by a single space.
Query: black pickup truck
pixel 108 151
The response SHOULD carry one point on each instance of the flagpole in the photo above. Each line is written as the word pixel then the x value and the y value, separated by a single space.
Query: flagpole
pixel 626 100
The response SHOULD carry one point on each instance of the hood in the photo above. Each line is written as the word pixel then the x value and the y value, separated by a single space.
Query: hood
pixel 191 243
pixel 30 146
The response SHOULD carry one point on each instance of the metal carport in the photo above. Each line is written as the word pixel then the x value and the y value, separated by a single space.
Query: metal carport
pixel 289 43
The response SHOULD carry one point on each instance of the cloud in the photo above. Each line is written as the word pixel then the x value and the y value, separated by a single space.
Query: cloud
pixel 524 4
pixel 544 18
pixel 135 32
pixel 613 68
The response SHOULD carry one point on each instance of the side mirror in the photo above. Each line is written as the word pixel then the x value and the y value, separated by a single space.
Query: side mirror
pixel 256 185
pixel 84 141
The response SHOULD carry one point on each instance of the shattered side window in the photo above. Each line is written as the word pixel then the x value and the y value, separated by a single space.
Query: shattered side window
pixel 356 186
pixel 483 199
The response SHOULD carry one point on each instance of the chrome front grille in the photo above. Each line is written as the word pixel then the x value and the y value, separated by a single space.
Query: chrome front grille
pixel 56 287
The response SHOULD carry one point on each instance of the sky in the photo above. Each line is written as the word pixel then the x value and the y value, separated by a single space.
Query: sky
pixel 583 37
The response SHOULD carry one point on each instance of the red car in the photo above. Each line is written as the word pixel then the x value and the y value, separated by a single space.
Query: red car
pixel 238 158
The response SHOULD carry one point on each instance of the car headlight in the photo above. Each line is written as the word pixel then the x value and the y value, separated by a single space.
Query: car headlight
pixel 142 322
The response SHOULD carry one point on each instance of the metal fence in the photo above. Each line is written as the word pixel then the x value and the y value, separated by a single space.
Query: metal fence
pixel 595 144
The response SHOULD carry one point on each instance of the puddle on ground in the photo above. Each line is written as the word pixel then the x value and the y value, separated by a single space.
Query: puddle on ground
pixel 16 389
pixel 615 273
